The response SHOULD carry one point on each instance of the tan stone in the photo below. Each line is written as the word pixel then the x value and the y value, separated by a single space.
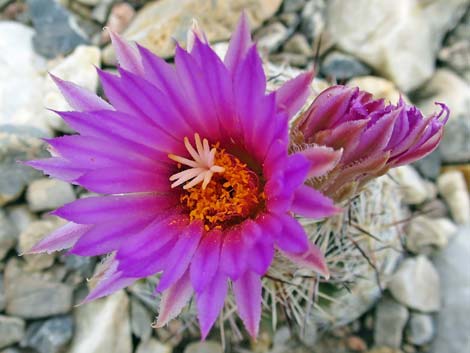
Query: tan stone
pixel 159 23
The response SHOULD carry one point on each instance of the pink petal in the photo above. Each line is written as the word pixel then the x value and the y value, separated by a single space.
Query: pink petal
pixel 247 291
pixel 309 202
pixel 239 44
pixel 59 168
pixel 323 159
pixel 293 94
pixel 92 210
pixel 210 302
pixel 181 255
pixel 292 238
pixel 127 55
pixel 233 254
pixel 79 98
pixel 174 299
pixel 62 238
pixel 206 260
pixel 312 259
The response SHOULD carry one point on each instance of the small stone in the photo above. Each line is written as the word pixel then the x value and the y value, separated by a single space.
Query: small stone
pixel 48 194
pixel 356 344
pixel 36 231
pixel 430 166
pixel 8 234
pixel 413 188
pixel 57 32
pixel 271 37
pixel 291 20
pixel 424 233
pixel 455 146
pixel 157 25
pixel 462 168
pixel 453 189
pixel 313 18
pixel 20 216
pixel 49 336
pixel 379 87
pixel 141 320
pixel 420 329
pixel 435 209
pixel 119 18
pixel 384 350
pixel 34 296
pixel 100 12
pixel 456 57
pixel 11 330
pixel 342 66
pixel 103 326
pixel 416 285
pixel 293 5
pixel 79 68
pixel 83 265
pixel 204 347
pixel 298 44
pixel 153 346
pixel 289 59
pixel 17 144
pixel 89 2
pixel 390 320
pixel 452 325
pixel 2 294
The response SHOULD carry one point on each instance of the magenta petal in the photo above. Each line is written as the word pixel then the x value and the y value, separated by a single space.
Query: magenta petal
pixel 239 44
pixel 323 159
pixel 92 210
pixel 79 98
pixel 111 282
pixel 127 55
pixel 233 254
pixel 181 255
pixel 312 259
pixel 261 255
pixel 116 180
pixel 62 238
pixel 206 260
pixel 210 302
pixel 57 167
pixel 292 238
pixel 293 94
pixel 309 202
pixel 247 291
pixel 174 299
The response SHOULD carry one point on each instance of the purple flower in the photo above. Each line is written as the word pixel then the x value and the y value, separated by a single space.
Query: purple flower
pixel 372 136
pixel 198 184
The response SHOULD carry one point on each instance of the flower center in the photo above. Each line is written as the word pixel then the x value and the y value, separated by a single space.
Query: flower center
pixel 230 191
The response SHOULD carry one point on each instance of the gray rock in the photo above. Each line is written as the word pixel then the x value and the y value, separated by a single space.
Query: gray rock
pixel 33 295
pixel 390 320
pixel 48 194
pixel 11 330
pixel 101 11
pixel 36 231
pixel 57 32
pixel 420 329
pixel 298 44
pixel 49 336
pixel 430 166
pixel 103 326
pixel 82 265
pixel 20 216
pixel 453 325
pixel 453 189
pixel 290 59
pixel 343 66
pixel 2 294
pixel 21 71
pixel 271 37
pixel 424 234
pixel 141 320
pixel 8 235
pixel 153 346
pixel 455 145
pixel 18 144
pixel 293 5
pixel 435 209
pixel 204 347
pixel 456 57
pixel 416 285
pixel 313 18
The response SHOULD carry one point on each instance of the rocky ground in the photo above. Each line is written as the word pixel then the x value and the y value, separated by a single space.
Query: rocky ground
pixel 420 49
